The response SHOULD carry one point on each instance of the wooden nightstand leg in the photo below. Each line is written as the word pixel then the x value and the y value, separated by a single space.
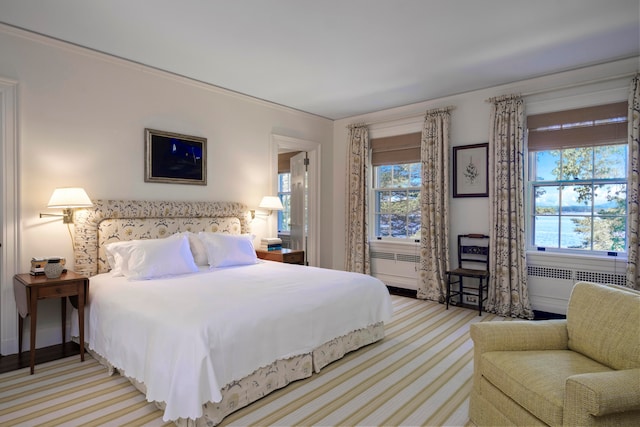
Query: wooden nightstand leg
pixel 63 312
pixel 20 332
pixel 81 299
pixel 34 317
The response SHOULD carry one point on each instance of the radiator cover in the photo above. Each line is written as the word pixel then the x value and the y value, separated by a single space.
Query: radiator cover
pixel 551 277
pixel 395 265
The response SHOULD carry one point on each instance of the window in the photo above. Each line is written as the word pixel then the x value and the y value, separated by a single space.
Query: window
pixel 284 193
pixel 397 200
pixel 396 186
pixel 578 180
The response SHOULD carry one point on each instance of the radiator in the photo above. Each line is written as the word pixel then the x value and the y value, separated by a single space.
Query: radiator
pixel 395 268
pixel 551 278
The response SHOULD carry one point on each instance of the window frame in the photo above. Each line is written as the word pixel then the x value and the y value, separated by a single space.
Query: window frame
pixel 286 206
pixel 374 214
pixel 531 185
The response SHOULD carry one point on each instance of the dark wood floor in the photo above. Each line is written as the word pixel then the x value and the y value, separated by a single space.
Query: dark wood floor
pixel 46 354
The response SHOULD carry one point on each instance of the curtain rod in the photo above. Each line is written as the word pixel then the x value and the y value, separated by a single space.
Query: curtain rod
pixel 374 122
pixel 408 116
pixel 570 85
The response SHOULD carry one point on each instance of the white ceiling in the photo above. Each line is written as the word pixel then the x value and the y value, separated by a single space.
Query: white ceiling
pixel 340 58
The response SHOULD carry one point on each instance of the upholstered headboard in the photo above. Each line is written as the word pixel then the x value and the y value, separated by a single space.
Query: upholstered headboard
pixel 113 220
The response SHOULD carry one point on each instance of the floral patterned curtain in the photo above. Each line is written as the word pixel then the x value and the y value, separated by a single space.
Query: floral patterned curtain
pixel 508 294
pixel 357 246
pixel 633 198
pixel 434 201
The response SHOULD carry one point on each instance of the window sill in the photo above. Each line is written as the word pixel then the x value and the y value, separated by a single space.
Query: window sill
pixel 532 253
pixel 394 244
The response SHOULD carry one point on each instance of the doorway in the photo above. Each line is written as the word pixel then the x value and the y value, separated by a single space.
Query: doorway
pixel 310 230
pixel 9 219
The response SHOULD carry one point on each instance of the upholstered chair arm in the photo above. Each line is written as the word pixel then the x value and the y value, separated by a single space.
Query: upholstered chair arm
pixel 614 395
pixel 519 336
pixel 515 336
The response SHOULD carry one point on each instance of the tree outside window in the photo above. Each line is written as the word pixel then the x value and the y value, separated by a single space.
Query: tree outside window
pixel 579 198
pixel 397 201
pixel 284 192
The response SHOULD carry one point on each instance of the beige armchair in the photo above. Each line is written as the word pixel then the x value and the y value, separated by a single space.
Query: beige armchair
pixel 582 371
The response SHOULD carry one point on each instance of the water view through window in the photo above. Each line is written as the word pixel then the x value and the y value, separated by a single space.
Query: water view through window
pixel 579 198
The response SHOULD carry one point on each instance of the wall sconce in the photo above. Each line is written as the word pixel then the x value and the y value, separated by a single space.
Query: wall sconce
pixel 68 199
pixel 270 203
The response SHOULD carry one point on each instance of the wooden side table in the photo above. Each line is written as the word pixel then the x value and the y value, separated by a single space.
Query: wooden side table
pixel 29 289
pixel 288 256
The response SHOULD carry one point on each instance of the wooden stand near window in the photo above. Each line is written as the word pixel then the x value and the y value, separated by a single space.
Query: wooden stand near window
pixel 29 289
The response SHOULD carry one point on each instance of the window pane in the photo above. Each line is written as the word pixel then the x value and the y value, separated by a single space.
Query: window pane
pixel 398 202
pixel 414 201
pixel 284 216
pixel 609 233
pixel 413 225
pixel 415 175
pixel 547 200
pixel 383 176
pixel 576 199
pixel 543 165
pixel 384 201
pixel 284 192
pixel 400 175
pixel 610 199
pixel 577 163
pixel 546 231
pixel 384 225
pixel 575 232
pixel 284 182
pixel 398 226
pixel 611 161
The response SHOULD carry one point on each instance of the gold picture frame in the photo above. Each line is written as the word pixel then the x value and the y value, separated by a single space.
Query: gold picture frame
pixel 175 158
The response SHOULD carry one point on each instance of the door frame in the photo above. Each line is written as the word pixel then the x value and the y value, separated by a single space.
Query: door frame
pixel 312 148
pixel 9 214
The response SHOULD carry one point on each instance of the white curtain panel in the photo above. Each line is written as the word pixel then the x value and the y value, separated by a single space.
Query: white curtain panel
pixel 508 294
pixel 633 187
pixel 357 245
pixel 434 201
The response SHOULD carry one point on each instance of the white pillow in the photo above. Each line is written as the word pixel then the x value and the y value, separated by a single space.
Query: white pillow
pixel 113 251
pixel 225 250
pixel 198 250
pixel 150 258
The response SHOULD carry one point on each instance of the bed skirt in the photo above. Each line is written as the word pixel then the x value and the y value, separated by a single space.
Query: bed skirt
pixel 265 380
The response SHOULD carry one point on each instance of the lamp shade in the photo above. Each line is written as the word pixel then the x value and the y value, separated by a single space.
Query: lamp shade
pixel 69 197
pixel 271 203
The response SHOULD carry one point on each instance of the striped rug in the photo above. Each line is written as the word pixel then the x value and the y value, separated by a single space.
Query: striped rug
pixel 420 374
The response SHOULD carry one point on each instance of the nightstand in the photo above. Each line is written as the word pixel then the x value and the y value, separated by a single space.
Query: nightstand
pixel 288 256
pixel 29 289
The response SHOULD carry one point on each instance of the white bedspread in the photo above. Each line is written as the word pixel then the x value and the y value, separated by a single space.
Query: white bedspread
pixel 186 337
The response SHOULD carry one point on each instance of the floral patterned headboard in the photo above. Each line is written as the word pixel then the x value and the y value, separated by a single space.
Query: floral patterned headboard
pixel 113 220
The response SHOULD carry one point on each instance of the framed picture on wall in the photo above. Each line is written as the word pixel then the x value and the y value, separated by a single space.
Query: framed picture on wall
pixel 470 170
pixel 175 158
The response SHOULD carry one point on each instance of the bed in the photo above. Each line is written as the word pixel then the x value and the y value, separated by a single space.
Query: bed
pixel 210 331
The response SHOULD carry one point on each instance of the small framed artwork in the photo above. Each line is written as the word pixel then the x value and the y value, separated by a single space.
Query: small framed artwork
pixel 470 170
pixel 174 158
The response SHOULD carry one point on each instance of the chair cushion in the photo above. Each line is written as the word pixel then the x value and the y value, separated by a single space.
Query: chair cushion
pixel 603 324
pixel 536 379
